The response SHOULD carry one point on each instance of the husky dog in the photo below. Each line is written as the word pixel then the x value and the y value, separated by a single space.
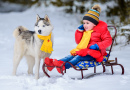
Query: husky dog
pixel 28 44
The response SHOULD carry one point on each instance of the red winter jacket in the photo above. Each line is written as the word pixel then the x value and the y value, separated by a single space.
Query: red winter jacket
pixel 99 36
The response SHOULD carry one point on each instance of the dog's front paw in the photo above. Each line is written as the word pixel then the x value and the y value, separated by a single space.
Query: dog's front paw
pixel 13 74
pixel 36 77
pixel 30 72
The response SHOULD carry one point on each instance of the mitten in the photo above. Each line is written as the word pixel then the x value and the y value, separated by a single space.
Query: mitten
pixel 82 52
pixel 94 47
pixel 94 53
pixel 81 28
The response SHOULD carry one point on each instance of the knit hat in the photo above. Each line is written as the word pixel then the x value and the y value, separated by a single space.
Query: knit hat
pixel 93 14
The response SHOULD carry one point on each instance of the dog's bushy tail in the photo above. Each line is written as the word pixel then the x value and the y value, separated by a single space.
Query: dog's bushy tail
pixel 18 31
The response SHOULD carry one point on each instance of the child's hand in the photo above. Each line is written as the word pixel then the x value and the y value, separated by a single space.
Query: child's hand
pixel 81 27
pixel 94 47
pixel 73 52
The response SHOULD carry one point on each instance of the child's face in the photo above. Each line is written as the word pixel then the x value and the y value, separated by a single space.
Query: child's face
pixel 88 25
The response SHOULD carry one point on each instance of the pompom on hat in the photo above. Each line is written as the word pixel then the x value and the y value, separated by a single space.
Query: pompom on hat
pixel 93 14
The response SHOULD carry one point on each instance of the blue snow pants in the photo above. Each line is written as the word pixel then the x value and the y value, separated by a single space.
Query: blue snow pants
pixel 75 59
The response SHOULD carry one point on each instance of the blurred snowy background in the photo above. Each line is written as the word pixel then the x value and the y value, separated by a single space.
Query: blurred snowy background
pixel 66 16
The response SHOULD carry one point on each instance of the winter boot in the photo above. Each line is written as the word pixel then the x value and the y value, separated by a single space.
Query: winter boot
pixel 49 62
pixel 59 63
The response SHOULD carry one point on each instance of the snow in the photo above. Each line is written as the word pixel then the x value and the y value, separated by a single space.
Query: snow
pixel 64 28
pixel 126 27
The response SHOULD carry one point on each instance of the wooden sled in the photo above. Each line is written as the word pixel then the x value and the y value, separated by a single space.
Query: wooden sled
pixel 84 65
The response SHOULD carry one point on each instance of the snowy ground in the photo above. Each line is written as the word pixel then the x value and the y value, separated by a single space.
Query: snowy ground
pixel 64 28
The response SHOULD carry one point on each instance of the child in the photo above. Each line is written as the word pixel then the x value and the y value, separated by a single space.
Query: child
pixel 92 38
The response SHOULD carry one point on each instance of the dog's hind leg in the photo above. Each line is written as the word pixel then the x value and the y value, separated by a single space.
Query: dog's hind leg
pixel 16 61
pixel 19 52
pixel 30 62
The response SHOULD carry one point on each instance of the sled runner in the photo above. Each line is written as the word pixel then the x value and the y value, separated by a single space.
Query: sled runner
pixel 84 65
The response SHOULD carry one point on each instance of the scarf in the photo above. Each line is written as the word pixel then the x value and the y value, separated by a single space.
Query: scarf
pixel 47 43
pixel 83 43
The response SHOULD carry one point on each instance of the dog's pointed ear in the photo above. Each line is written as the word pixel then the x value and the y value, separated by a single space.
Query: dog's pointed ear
pixel 37 17
pixel 47 18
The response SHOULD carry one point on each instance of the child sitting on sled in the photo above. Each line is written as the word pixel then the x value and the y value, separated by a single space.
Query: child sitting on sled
pixel 92 38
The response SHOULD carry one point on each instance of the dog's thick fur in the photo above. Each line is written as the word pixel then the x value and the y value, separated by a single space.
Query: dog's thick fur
pixel 28 44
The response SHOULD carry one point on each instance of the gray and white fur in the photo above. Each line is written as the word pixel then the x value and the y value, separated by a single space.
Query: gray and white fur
pixel 28 44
